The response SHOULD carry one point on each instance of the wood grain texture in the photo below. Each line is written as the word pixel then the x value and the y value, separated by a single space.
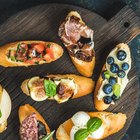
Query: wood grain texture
pixel 42 23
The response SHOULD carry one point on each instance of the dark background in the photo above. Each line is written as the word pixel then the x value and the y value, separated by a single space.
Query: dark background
pixel 105 8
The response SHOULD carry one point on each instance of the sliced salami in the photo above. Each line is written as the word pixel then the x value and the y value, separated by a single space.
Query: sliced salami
pixel 29 129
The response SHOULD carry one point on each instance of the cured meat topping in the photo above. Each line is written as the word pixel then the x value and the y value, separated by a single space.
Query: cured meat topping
pixel 78 38
pixel 29 129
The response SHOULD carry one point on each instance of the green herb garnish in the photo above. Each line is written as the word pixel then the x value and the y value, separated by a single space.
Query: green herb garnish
pixel 50 88
pixel 48 137
pixel 93 124
pixel 48 45
pixel 13 58
pixel 18 47
pixel 81 134
pixel 37 62
pixel 0 114
pixel 117 90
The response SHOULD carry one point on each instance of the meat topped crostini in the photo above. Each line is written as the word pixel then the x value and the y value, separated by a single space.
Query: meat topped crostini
pixel 78 39
pixel 5 108
pixel 26 53
pixel 57 87
pixel 91 126
pixel 113 78
pixel 32 125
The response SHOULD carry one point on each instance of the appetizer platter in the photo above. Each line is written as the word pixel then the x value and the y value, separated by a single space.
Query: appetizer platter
pixel 69 72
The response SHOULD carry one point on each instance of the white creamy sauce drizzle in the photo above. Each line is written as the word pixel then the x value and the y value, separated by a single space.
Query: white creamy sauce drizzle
pixel 80 120
pixel 121 81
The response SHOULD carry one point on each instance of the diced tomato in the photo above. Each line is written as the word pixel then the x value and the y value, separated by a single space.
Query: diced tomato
pixel 50 52
pixel 39 47
pixel 47 57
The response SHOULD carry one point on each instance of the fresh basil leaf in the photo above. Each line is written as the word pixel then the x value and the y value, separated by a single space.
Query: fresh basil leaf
pixel 50 88
pixel 0 114
pixel 37 62
pixel 81 134
pixel 48 137
pixel 93 124
pixel 117 90
pixel 107 74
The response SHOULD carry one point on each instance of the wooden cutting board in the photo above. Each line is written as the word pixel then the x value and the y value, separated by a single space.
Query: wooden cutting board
pixel 42 23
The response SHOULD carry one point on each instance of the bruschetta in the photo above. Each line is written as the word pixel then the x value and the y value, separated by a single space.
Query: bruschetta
pixel 32 125
pixel 78 39
pixel 5 108
pixel 57 87
pixel 91 126
pixel 26 53
pixel 113 78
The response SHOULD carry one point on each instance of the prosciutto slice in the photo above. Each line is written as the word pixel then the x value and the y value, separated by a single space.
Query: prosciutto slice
pixel 78 38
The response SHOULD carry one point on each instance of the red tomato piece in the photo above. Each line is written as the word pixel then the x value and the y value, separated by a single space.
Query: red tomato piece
pixel 50 52
pixel 47 57
pixel 39 47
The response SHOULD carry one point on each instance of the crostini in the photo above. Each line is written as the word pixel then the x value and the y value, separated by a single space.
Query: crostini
pixel 5 108
pixel 78 39
pixel 32 125
pixel 26 53
pixel 91 126
pixel 113 78
pixel 57 87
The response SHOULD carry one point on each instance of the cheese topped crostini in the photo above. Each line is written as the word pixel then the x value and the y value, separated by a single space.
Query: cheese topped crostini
pixel 91 126
pixel 26 53
pixel 113 78
pixel 5 108
pixel 32 125
pixel 78 39
pixel 57 87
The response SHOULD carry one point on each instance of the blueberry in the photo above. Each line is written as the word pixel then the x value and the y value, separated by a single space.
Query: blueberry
pixel 114 97
pixel 110 60
pixel 121 55
pixel 107 88
pixel 114 68
pixel 107 99
pixel 125 66
pixel 112 80
pixel 121 73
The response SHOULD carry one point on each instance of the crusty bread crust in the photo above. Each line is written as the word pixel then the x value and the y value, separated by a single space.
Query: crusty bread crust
pixel 84 85
pixel 113 123
pixel 99 104
pixel 26 110
pixel 4 61
pixel 84 68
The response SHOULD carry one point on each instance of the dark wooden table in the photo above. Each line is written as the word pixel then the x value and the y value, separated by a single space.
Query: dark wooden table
pixel 103 7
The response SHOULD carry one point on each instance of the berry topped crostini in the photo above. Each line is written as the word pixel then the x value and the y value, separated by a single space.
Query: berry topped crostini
pixel 113 78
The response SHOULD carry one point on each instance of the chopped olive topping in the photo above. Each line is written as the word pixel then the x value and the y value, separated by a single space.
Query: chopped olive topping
pixel 41 130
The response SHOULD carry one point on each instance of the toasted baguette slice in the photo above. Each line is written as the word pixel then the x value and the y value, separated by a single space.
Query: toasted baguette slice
pixel 84 85
pixel 85 68
pixel 99 104
pixel 4 61
pixel 26 110
pixel 112 122
pixel 5 108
